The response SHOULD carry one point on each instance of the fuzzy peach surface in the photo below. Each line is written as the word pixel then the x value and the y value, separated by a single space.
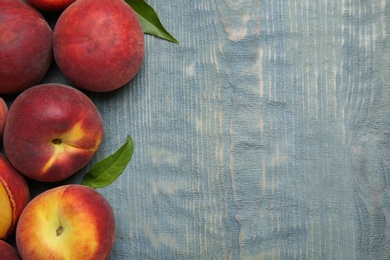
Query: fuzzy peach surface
pixel 52 131
pixel 66 222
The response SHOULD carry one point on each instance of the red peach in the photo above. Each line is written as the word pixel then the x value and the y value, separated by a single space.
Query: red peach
pixel 67 222
pixel 52 131
pixel 99 45
pixel 25 46
pixel 51 5
pixel 8 252
pixel 3 116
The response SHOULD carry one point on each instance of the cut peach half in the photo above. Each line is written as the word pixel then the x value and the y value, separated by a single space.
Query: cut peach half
pixel 6 211
pixel 14 196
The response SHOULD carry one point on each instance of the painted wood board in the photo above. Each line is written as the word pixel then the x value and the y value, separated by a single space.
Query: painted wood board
pixel 264 134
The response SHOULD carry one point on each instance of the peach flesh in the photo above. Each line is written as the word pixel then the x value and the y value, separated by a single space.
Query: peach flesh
pixel 6 211
pixel 14 196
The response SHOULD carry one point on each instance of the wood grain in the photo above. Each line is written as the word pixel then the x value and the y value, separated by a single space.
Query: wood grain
pixel 263 135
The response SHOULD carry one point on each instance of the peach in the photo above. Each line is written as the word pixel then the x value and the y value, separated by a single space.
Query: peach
pixel 14 196
pixel 52 131
pixel 67 222
pixel 8 252
pixel 25 46
pixel 3 115
pixel 50 5
pixel 99 45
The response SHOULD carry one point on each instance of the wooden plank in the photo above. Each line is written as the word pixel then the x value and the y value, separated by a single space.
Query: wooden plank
pixel 255 133
pixel 262 135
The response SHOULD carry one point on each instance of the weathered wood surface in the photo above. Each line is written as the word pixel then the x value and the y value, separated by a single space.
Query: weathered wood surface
pixel 263 135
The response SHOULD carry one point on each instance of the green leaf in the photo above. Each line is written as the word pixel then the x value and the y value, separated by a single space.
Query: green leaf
pixel 150 22
pixel 106 171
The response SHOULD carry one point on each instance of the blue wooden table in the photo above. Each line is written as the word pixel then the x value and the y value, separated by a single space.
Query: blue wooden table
pixel 264 134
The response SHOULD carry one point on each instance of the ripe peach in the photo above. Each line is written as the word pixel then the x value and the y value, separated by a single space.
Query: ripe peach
pixel 52 131
pixel 51 5
pixel 3 115
pixel 25 46
pixel 8 252
pixel 14 196
pixel 67 222
pixel 99 45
